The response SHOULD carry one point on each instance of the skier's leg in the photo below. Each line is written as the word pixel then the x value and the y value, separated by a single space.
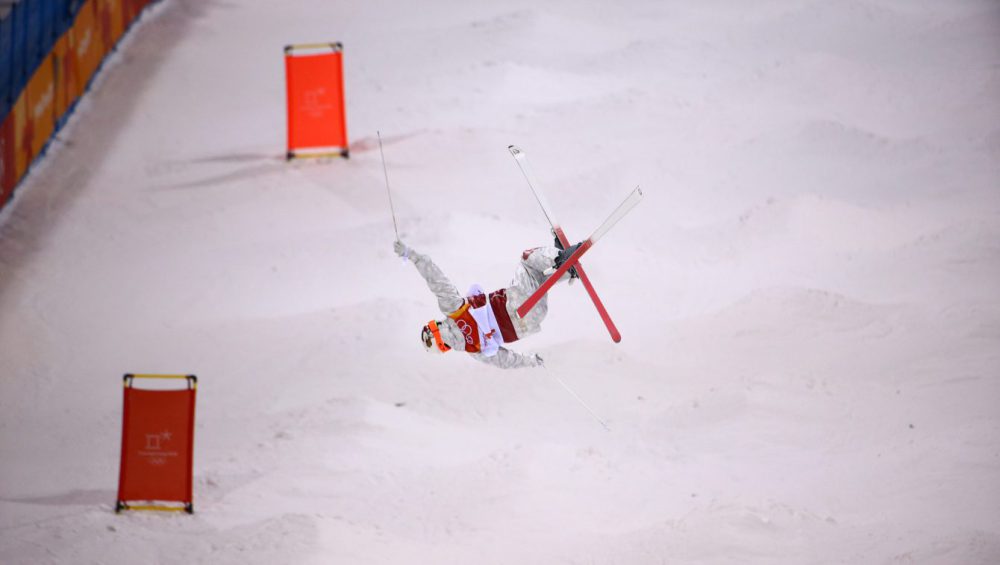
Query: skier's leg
pixel 537 261
pixel 529 275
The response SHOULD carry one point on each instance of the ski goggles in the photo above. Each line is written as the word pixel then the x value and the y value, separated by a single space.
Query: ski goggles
pixel 431 335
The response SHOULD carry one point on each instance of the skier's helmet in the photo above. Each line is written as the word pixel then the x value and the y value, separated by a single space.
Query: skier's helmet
pixel 430 336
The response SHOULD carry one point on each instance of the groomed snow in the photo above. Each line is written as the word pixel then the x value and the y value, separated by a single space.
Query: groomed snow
pixel 809 295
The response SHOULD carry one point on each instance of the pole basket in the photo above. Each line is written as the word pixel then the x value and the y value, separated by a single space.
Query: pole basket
pixel 157 446
pixel 314 80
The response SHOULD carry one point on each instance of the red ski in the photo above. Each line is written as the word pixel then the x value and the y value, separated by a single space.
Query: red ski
pixel 557 230
pixel 574 259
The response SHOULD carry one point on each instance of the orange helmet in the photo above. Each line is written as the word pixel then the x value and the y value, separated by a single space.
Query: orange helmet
pixel 431 338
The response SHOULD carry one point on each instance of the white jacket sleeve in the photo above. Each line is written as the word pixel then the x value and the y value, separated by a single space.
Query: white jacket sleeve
pixel 448 297
pixel 507 359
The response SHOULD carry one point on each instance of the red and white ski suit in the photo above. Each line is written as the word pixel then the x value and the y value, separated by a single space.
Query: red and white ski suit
pixel 471 319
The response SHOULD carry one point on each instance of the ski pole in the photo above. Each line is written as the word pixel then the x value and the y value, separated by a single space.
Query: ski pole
pixel 578 399
pixel 385 170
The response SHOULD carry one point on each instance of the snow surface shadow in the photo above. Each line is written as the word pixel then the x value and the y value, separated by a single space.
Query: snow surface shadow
pixel 238 158
pixel 47 193
pixel 230 176
pixel 69 498
pixel 366 144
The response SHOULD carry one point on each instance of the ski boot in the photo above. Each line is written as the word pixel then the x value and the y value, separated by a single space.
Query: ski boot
pixel 566 254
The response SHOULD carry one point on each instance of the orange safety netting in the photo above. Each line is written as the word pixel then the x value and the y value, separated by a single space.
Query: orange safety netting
pixel 157 446
pixel 317 125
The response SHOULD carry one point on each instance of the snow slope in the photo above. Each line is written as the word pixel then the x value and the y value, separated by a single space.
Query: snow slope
pixel 808 297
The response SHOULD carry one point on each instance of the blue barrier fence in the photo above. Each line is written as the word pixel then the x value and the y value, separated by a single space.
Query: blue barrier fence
pixel 28 31
pixel 50 52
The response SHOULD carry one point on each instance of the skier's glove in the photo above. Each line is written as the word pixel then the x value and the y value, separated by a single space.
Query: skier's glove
pixel 401 249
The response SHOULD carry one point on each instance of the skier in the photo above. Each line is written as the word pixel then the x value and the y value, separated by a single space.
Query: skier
pixel 482 324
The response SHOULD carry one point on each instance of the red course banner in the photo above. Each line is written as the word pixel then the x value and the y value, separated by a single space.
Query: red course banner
pixel 317 126
pixel 157 446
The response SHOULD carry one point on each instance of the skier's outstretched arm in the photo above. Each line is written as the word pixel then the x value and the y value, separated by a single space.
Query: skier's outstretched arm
pixel 507 359
pixel 448 297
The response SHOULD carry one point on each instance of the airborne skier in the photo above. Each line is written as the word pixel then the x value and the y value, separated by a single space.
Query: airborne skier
pixel 482 324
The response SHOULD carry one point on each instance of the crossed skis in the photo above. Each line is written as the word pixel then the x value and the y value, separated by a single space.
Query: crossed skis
pixel 585 245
